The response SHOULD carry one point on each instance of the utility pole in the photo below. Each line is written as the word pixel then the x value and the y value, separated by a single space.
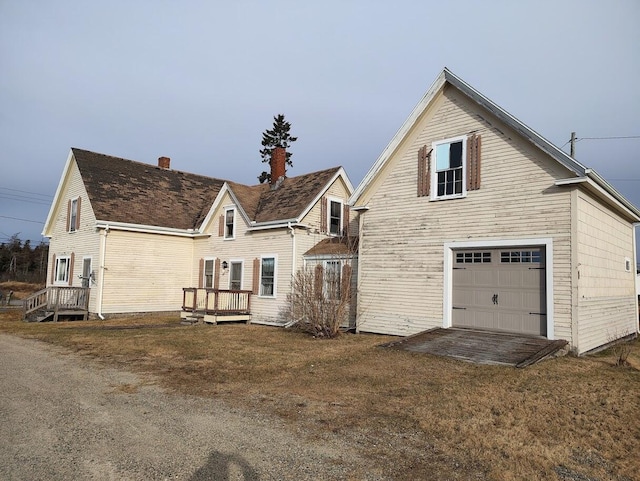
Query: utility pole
pixel 573 145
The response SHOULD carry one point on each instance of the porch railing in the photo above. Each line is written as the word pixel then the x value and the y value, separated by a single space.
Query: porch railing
pixel 57 299
pixel 216 301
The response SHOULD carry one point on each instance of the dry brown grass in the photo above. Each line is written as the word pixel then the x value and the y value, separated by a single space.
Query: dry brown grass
pixel 419 416
pixel 20 289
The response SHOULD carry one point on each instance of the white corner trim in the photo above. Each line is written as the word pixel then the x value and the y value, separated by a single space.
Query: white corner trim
pixel 449 247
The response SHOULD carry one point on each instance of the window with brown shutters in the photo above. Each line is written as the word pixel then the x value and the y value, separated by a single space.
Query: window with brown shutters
pixel 455 167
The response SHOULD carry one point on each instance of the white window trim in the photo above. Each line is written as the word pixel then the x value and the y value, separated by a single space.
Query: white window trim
pixel 91 279
pixel 434 171
pixel 64 282
pixel 341 202
pixel 241 262
pixel 275 276
pixel 235 222
pixel 204 270
pixel 324 272
pixel 449 248
pixel 73 220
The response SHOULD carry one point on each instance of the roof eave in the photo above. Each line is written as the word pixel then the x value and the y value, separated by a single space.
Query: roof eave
pixel 148 229
pixel 596 184
pixel 56 198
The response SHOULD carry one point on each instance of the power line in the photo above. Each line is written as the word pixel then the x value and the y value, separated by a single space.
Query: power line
pixel 27 192
pixel 23 220
pixel 19 199
pixel 610 138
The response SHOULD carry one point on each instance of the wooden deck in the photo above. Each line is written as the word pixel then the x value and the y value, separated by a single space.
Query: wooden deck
pixel 215 305
pixel 480 347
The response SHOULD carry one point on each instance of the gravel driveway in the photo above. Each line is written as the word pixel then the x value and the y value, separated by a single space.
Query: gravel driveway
pixel 64 417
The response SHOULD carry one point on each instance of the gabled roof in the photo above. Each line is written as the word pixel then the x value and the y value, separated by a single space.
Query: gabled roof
pixel 448 77
pixel 132 193
pixel 127 191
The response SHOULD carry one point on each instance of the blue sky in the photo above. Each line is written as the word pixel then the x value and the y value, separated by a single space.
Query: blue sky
pixel 199 81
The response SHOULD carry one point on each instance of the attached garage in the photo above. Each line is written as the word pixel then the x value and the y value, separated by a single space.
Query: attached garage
pixel 500 289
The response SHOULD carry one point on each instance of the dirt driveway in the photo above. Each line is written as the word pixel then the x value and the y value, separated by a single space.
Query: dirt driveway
pixel 63 417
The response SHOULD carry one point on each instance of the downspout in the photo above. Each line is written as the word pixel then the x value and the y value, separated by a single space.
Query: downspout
pixel 103 253
pixel 293 249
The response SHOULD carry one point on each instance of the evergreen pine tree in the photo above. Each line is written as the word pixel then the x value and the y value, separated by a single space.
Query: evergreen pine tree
pixel 278 136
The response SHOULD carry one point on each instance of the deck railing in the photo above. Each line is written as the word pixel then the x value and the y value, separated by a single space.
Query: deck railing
pixel 216 301
pixel 58 299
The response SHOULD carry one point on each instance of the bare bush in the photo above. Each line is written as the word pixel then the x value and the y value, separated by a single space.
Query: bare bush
pixel 320 299
pixel 620 348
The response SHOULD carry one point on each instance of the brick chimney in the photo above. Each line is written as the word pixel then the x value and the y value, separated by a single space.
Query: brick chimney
pixel 278 166
pixel 164 162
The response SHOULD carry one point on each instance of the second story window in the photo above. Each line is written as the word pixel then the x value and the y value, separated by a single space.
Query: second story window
pixel 229 223
pixel 449 172
pixel 73 215
pixel 335 217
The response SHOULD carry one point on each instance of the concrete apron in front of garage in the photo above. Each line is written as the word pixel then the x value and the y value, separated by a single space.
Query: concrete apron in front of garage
pixel 481 347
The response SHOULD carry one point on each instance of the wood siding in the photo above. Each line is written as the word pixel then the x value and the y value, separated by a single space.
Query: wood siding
pixel 250 245
pixel 401 245
pixel 84 242
pixel 607 302
pixel 145 272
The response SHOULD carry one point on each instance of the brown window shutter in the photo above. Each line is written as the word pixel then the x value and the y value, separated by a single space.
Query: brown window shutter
pixel 256 276
pixel 68 214
pixel 323 215
pixel 77 226
pixel 345 219
pixel 346 282
pixel 53 269
pixel 221 226
pixel 317 280
pixel 201 274
pixel 71 268
pixel 424 169
pixel 216 273
pixel 473 162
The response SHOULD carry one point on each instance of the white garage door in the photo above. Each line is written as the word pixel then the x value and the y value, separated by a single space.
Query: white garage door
pixel 500 289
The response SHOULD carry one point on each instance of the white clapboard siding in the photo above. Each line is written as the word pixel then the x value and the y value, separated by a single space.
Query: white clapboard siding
pixel 607 303
pixel 401 246
pixel 145 272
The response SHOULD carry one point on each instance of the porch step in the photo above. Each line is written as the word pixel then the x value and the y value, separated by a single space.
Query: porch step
pixel 41 316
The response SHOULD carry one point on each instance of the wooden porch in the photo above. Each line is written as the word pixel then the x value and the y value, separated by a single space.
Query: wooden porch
pixel 53 302
pixel 215 305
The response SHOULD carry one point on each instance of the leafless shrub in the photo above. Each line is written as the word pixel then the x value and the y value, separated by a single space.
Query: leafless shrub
pixel 320 299
pixel 620 348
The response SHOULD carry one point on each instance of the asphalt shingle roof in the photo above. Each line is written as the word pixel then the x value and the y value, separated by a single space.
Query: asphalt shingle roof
pixel 122 190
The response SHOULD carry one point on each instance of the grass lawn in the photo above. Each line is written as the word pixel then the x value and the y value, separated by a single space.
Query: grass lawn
pixel 419 416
